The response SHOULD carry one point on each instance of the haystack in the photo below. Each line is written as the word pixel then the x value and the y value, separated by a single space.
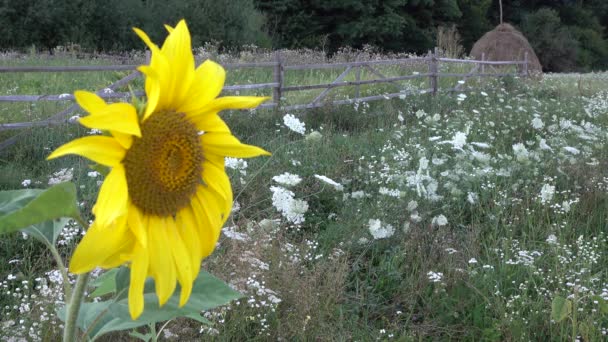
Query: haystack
pixel 505 43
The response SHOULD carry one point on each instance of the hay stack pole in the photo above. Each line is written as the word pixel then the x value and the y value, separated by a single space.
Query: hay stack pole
pixel 500 6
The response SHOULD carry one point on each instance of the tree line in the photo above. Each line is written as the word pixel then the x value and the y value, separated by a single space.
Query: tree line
pixel 566 34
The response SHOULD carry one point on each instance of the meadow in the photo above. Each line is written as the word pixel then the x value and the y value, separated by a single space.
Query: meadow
pixel 474 215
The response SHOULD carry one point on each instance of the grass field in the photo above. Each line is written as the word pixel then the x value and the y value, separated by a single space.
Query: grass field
pixel 452 217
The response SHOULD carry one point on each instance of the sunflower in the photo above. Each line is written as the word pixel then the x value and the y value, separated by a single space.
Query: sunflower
pixel 163 203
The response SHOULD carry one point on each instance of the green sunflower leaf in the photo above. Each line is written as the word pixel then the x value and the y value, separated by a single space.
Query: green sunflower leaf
pixel 105 284
pixel 23 208
pixel 560 308
pixel 47 231
pixel 101 318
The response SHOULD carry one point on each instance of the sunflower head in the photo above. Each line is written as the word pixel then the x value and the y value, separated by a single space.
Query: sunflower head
pixel 167 196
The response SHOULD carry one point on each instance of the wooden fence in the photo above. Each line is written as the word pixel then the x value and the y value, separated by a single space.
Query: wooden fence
pixel 480 68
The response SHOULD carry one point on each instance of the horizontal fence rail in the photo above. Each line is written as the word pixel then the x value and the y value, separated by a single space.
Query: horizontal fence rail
pixel 279 67
pixel 76 68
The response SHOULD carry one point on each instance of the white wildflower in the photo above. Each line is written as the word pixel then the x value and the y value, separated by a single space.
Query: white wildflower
pixel 459 140
pixel 331 182
pixel 420 114
pixel 287 179
pixel 412 205
pixel 472 197
pixel 26 182
pixel 93 174
pixel 292 209
pixel 480 144
pixel 551 239
pixel 521 152
pixel 439 220
pixel 231 233
pixel 572 150
pixel 537 123
pixel 357 194
pixel 60 176
pixel 294 124
pixel 313 136
pixel 543 145
pixel 435 277
pixel 380 231
pixel 390 192
pixel 237 164
pixel 546 193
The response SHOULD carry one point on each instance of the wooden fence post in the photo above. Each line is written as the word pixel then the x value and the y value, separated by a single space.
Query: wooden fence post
pixel 278 73
pixel 433 68
pixel 358 77
pixel 482 68
pixel 526 64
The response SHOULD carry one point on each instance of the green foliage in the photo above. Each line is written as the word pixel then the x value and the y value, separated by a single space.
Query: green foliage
pixel 22 208
pixel 392 25
pixel 47 232
pixel 567 35
pixel 560 308
pixel 553 43
pixel 99 318
pixel 106 24
pixel 474 22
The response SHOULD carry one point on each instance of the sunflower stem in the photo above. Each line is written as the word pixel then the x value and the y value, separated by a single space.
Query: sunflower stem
pixel 154 337
pixel 67 289
pixel 73 307
pixel 84 224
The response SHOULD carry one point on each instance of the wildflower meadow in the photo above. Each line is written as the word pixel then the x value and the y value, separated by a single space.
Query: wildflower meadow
pixel 476 215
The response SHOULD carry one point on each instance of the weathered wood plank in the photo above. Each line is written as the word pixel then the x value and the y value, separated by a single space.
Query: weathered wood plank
pixel 470 74
pixel 251 86
pixel 337 80
pixel 79 68
pixel 349 83
pixel 360 99
pixel 453 60
pixel 354 64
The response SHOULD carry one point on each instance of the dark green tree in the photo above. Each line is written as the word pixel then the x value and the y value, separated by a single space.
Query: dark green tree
pixel 553 43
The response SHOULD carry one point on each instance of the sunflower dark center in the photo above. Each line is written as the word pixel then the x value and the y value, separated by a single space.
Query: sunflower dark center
pixel 164 166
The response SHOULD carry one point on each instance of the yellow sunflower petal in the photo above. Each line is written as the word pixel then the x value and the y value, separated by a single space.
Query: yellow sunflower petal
pixel 181 256
pixel 90 102
pixel 135 220
pixel 152 89
pixel 168 28
pixel 113 197
pixel 224 144
pixel 234 102
pixel 139 272
pixel 187 227
pixel 162 265
pixel 143 36
pixel 210 123
pixel 125 140
pixel 216 178
pixel 159 80
pixel 178 50
pixel 97 245
pixel 211 213
pixel 208 82
pixel 122 253
pixel 117 117
pixel 103 150
pixel 208 228
pixel 216 207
